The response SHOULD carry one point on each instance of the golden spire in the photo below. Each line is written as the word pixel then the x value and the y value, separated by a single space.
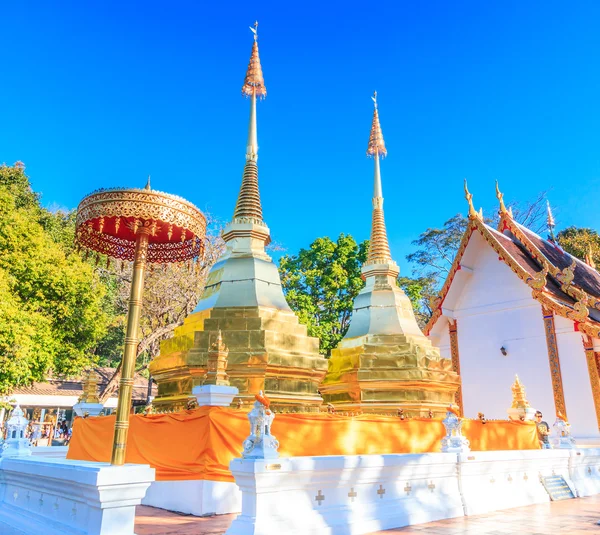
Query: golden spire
pixel 550 221
pixel 148 184
pixel 500 197
pixel 469 197
pixel 379 249
pixel 248 206
pixel 589 257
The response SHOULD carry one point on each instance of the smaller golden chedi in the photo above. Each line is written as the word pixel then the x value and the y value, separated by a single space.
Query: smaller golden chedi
pixel 217 364
pixel 90 388
pixel 384 363
pixel 518 392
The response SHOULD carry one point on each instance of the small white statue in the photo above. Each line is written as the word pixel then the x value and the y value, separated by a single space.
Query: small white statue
pixel 16 445
pixel 454 441
pixel 261 444
pixel 561 437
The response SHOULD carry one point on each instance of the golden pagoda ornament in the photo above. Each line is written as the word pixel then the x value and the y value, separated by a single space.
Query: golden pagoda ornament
pixel 384 363
pixel 268 349
pixel 520 408
pixel 216 373
pixel 90 388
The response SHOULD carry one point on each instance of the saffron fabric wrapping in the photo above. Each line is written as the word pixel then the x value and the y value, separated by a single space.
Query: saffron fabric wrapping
pixel 199 444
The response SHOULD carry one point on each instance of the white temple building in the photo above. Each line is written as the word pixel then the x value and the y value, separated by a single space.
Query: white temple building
pixel 516 303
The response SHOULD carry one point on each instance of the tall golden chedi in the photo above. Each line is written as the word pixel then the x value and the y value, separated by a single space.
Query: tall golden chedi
pixel 269 349
pixel 385 363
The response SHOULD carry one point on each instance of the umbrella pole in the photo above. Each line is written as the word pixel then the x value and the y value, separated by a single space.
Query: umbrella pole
pixel 130 351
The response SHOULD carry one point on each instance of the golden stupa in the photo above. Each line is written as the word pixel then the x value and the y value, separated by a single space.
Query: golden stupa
pixel 385 362
pixel 269 349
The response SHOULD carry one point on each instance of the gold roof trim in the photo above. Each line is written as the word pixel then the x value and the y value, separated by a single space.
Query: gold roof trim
pixel 577 312
pixel 563 277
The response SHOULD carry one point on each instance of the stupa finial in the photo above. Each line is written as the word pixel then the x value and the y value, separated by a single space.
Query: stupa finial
pixel 376 145
pixel 254 82
pixel 379 249
pixel 550 221
pixel 500 197
pixel 248 206
pixel 469 197
pixel 148 184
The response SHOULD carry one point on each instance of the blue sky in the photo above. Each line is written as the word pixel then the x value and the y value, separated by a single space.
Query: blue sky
pixel 97 94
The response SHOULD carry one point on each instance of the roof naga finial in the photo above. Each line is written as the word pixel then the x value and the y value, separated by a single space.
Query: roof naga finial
pixel 589 257
pixel 469 197
pixel 500 197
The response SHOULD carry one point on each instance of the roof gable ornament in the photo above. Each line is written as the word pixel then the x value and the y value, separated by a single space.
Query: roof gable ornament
pixel 589 257
pixel 566 276
pixel 500 197
pixel 539 280
pixel 580 310
pixel 469 196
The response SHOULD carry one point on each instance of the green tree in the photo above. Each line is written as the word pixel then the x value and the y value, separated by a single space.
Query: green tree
pixel 580 242
pixel 51 299
pixel 320 284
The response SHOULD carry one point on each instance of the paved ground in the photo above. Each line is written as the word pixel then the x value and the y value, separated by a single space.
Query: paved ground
pixel 572 517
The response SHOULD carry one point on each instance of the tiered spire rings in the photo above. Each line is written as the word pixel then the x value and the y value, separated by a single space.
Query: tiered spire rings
pixel 248 207
pixel 379 249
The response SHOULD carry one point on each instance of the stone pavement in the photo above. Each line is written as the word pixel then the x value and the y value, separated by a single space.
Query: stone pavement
pixel 572 517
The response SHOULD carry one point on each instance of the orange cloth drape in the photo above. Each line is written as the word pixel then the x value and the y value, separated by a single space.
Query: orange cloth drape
pixel 199 444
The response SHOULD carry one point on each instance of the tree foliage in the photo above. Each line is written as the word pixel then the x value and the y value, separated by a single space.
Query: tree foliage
pixel 320 284
pixel 51 314
pixel 580 242
pixel 171 293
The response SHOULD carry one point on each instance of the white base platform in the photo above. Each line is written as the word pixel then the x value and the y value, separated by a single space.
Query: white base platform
pixel 344 495
pixel 41 495
pixel 198 498
pixel 356 495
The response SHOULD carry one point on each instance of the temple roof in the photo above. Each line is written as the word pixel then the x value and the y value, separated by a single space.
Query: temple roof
pixel 58 386
pixel 559 281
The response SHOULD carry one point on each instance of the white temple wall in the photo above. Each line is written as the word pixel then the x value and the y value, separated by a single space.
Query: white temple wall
pixel 576 381
pixel 495 309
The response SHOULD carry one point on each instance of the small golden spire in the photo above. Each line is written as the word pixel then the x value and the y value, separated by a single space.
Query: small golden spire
pixel 500 197
pixel 379 248
pixel 376 144
pixel 148 184
pixel 90 388
pixel 216 372
pixel 469 197
pixel 519 399
pixel 550 221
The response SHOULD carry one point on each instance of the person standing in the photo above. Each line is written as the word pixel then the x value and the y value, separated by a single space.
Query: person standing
pixel 543 431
